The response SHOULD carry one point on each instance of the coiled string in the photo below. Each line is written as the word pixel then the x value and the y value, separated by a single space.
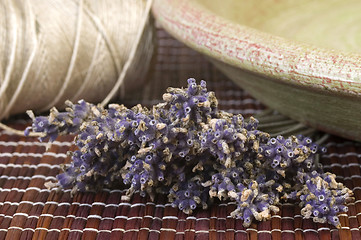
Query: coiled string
pixel 54 50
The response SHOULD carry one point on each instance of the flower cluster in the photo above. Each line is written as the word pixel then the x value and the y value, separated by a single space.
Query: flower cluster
pixel 62 122
pixel 189 149
pixel 322 197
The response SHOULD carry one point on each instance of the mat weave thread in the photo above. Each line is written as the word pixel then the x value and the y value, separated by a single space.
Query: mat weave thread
pixel 30 211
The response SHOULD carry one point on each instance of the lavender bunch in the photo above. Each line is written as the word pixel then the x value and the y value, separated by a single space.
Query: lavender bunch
pixel 185 147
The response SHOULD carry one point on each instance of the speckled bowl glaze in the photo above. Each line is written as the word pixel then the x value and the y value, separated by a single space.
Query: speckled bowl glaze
pixel 302 58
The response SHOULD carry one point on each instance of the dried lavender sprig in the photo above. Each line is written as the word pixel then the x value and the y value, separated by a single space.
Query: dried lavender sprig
pixel 61 123
pixel 188 195
pixel 188 148
pixel 322 198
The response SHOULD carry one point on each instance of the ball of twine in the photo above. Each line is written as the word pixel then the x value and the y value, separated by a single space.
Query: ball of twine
pixel 54 50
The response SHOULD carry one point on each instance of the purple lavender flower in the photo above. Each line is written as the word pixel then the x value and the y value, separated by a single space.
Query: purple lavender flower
pixel 62 122
pixel 192 151
pixel 323 198
pixel 254 202
pixel 187 195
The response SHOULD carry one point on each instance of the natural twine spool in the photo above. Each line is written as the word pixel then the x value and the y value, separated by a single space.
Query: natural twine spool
pixel 54 50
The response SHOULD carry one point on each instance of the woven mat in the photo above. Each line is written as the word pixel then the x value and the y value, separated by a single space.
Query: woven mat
pixel 29 211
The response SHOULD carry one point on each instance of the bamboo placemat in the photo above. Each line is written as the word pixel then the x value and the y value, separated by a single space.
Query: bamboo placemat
pixel 30 211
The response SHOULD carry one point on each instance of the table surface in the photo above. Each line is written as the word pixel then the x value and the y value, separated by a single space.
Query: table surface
pixel 30 211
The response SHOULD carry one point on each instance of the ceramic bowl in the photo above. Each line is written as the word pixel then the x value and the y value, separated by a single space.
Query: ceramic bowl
pixel 302 58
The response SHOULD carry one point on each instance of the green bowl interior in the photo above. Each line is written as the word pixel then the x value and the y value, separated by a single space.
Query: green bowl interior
pixel 332 24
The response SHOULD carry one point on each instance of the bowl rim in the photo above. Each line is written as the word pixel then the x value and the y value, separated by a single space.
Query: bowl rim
pixel 249 49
